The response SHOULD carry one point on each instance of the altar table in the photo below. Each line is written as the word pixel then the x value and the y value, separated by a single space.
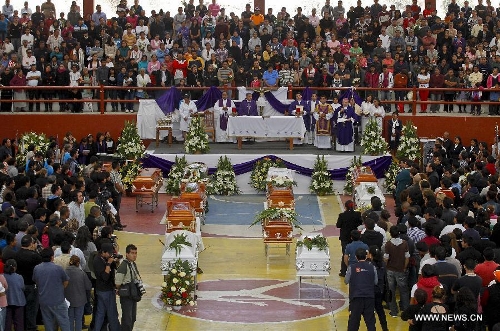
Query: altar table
pixel 288 127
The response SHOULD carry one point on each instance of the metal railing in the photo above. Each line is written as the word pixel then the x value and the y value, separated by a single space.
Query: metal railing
pixel 101 94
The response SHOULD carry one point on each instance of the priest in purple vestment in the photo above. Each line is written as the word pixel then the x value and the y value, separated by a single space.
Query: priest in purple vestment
pixel 344 118
pixel 248 107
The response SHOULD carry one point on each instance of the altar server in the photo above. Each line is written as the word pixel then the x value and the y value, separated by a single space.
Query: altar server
pixel 301 106
pixel 311 104
pixel 394 128
pixel 223 109
pixel 187 107
pixel 322 114
pixel 344 118
pixel 248 107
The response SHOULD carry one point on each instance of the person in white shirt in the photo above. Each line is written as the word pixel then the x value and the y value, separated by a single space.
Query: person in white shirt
pixel 141 28
pixel 29 37
pixel 366 110
pixel 386 40
pixel 28 60
pixel 377 113
pixel 313 18
pixel 8 9
pixel 223 109
pixel 207 52
pixel 143 80
pixel 74 76
pixel 54 40
pixel 386 81
pixel 187 107
pixel 77 209
pixel 32 78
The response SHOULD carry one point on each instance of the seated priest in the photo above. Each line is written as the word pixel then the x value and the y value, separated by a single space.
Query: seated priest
pixel 223 108
pixel 344 118
pixel 322 114
pixel 248 107
pixel 187 107
pixel 300 108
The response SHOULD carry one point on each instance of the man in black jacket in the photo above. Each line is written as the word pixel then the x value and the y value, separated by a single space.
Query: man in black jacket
pixel 370 236
pixel 27 259
pixel 104 268
pixel 348 220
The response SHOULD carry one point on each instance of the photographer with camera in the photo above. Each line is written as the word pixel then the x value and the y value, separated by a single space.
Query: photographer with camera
pixel 105 264
pixel 127 276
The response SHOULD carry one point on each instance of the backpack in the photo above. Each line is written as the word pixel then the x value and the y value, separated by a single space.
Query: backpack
pixel 90 263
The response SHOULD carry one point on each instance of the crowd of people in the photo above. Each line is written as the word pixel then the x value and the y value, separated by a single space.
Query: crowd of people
pixel 58 215
pixel 375 46
pixel 443 254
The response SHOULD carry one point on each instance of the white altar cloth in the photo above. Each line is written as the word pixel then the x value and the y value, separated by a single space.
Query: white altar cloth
pixel 267 127
pixel 147 116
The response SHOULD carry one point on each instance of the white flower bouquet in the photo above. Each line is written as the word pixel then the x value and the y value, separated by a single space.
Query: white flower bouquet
pixel 224 180
pixel 321 181
pixel 373 142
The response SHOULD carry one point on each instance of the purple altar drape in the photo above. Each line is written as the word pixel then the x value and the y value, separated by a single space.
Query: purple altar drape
pixel 209 99
pixel 379 166
pixel 169 100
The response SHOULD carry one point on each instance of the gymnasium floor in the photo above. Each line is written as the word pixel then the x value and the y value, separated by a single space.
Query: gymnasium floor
pixel 240 289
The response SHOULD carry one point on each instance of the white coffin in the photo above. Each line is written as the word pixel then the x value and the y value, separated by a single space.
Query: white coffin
pixel 187 253
pixel 362 197
pixel 312 262
pixel 279 172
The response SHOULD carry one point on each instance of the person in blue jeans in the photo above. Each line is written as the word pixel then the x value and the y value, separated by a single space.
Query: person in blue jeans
pixel 396 257
pixel 51 280
pixel 104 269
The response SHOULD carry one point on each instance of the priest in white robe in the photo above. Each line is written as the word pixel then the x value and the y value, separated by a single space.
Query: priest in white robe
pixel 187 107
pixel 223 108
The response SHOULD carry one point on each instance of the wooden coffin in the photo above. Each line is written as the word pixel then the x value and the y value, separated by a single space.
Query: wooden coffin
pixel 149 179
pixel 364 174
pixel 277 201
pixel 275 231
pixel 180 216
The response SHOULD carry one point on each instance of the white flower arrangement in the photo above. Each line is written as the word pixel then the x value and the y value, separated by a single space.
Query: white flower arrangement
pixel 258 177
pixel 282 181
pixel 224 180
pixel 130 146
pixel 373 142
pixel 173 182
pixel 196 138
pixel 409 144
pixel 39 140
pixel 349 178
pixel 321 181
pixel 390 177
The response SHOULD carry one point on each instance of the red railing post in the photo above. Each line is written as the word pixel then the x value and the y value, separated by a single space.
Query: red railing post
pixel 290 92
pixel 414 102
pixel 102 105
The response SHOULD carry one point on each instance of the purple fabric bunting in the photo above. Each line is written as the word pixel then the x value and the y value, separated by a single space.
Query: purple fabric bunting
pixel 379 166
pixel 169 100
